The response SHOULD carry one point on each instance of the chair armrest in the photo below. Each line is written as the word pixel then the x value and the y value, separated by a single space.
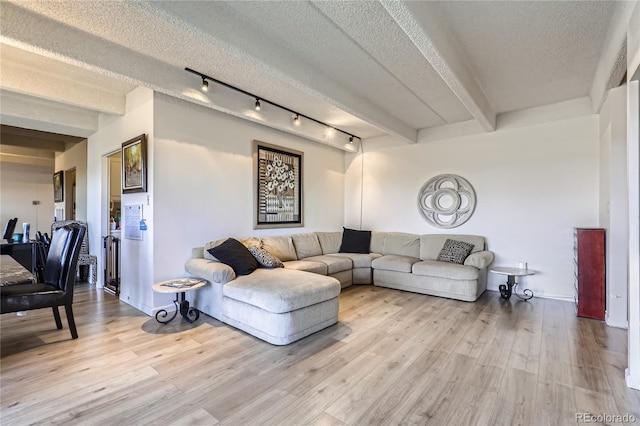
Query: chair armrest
pixel 480 259
pixel 210 270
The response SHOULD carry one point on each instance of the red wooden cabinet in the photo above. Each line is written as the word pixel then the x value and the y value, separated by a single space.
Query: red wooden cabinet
pixel 589 256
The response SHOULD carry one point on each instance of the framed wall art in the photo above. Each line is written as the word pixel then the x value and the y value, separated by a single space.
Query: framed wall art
pixel 58 187
pixel 278 186
pixel 134 165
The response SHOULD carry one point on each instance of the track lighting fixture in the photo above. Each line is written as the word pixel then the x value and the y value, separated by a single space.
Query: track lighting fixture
pixel 297 117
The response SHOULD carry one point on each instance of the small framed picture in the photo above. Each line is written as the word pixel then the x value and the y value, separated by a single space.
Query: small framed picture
pixel 58 186
pixel 134 165
pixel 278 186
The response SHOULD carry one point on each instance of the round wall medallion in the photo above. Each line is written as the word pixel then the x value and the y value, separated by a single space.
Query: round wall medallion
pixel 447 201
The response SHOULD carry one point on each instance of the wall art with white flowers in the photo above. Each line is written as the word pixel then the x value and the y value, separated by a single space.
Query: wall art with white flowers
pixel 278 189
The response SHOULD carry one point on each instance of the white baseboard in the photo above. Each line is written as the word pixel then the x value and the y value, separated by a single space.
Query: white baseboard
pixel 632 382
pixel 614 323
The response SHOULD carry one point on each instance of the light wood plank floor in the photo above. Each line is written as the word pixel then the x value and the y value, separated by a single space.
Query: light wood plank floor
pixel 394 358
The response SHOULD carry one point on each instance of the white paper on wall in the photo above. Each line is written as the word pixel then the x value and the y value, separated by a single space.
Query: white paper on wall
pixel 132 217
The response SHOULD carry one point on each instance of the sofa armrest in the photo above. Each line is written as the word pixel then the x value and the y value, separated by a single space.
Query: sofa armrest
pixel 480 259
pixel 210 270
pixel 197 253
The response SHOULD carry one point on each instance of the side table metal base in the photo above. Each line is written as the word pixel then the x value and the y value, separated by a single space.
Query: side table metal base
pixel 188 313
pixel 510 288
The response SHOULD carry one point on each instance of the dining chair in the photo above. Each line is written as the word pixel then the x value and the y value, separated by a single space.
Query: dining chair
pixel 58 280
pixel 85 259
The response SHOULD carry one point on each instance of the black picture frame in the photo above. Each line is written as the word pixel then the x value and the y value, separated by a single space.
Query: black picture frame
pixel 278 187
pixel 134 165
pixel 58 187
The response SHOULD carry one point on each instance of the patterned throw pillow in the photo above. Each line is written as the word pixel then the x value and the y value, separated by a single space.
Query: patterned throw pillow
pixel 265 258
pixel 455 251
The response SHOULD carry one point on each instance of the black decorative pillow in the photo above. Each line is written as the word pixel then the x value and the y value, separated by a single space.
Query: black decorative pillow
pixel 354 241
pixel 235 254
pixel 455 251
pixel 265 258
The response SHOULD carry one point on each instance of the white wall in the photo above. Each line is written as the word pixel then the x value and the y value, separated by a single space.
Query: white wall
pixel 204 181
pixel 613 202
pixel 136 256
pixel 533 185
pixel 75 157
pixel 633 141
pixel 20 185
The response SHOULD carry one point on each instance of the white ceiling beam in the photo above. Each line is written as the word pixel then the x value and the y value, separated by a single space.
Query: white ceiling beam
pixel 613 60
pixel 39 114
pixel 424 26
pixel 38 82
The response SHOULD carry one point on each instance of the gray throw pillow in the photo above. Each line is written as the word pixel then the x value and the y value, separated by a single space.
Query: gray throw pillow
pixel 265 258
pixel 455 251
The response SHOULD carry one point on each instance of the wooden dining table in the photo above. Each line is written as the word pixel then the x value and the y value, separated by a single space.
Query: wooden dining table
pixel 13 273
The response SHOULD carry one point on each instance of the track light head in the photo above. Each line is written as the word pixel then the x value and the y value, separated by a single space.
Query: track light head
pixel 350 139
pixel 205 85
pixel 296 120
pixel 257 104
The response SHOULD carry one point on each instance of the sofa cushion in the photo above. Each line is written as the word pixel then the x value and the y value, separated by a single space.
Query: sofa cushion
pixel 394 262
pixel 354 241
pixel 307 266
pixel 360 260
pixel 334 263
pixel 377 242
pixel 247 242
pixel 235 254
pixel 401 244
pixel 455 251
pixel 282 290
pixel 306 245
pixel 435 268
pixel 330 241
pixel 281 247
pixel 265 258
pixel 431 244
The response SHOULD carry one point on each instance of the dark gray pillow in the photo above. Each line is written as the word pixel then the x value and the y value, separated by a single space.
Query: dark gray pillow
pixel 354 241
pixel 233 253
pixel 455 251
pixel 265 258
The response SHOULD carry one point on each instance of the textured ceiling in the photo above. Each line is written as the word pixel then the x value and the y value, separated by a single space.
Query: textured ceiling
pixel 535 53
pixel 372 68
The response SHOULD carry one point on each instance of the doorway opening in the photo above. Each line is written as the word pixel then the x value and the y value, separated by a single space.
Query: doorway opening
pixel 111 242
pixel 70 190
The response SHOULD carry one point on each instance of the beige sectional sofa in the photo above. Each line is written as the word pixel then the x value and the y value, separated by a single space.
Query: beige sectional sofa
pixel 283 305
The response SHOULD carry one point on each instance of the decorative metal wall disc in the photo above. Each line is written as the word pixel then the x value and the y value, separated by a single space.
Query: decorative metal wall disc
pixel 447 201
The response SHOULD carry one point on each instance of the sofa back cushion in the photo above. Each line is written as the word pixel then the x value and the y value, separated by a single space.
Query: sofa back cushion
pixel 281 247
pixel 247 242
pixel 306 245
pixel 402 244
pixel 330 241
pixel 431 244
pixel 377 241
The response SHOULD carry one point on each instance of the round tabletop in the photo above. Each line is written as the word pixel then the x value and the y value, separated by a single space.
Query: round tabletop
pixel 516 272
pixel 179 285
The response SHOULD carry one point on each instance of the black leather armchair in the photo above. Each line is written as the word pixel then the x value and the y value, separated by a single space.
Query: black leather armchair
pixel 56 288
